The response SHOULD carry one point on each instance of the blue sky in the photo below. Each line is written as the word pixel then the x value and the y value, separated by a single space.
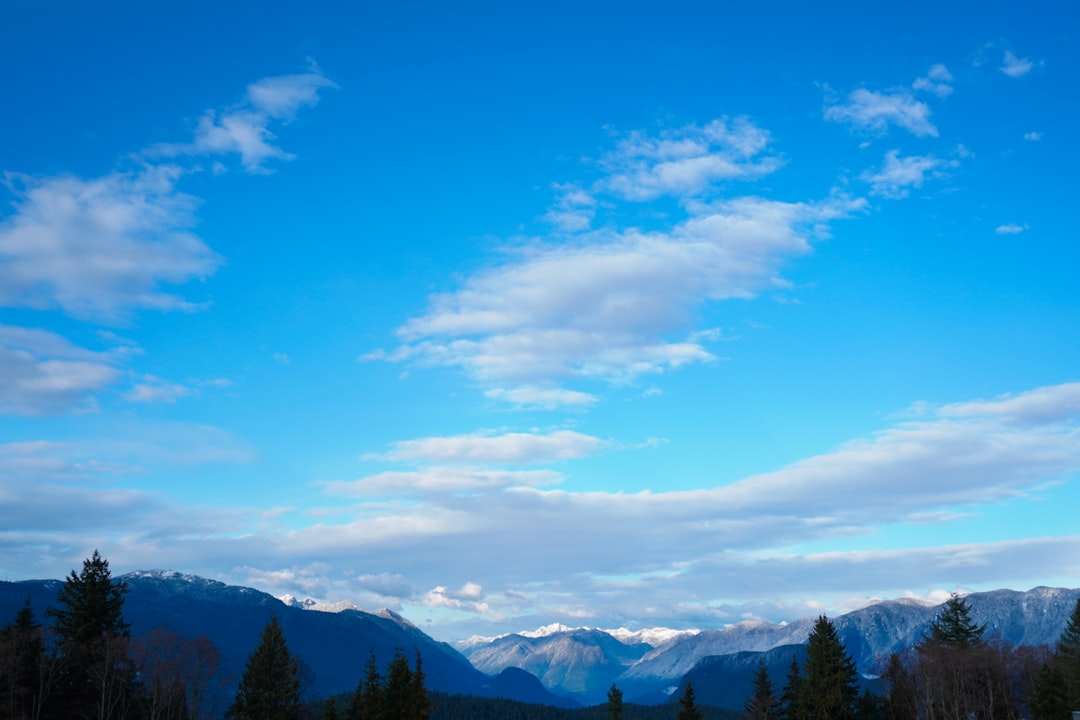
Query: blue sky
pixel 604 314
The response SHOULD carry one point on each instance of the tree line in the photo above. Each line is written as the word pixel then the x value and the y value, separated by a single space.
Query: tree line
pixel 86 666
pixel 953 673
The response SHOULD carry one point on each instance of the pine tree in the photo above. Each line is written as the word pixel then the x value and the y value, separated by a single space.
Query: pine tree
pixel 954 627
pixel 1049 699
pixel 614 703
pixel 901 700
pixel 763 704
pixel 22 666
pixel 396 689
pixel 789 696
pixel 270 687
pixel 688 709
pixel 367 701
pixel 1067 658
pixel 419 703
pixel 830 688
pixel 97 677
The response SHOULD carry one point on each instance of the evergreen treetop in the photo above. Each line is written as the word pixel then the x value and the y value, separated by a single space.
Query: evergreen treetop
pixel 954 627
pixel 91 605
pixel 763 704
pixel 688 709
pixel 614 703
pixel 270 687
pixel 829 688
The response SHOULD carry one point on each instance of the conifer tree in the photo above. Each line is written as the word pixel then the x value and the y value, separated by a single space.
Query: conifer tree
pixel 97 677
pixel 396 691
pixel 1049 699
pixel 901 700
pixel 763 704
pixel 789 696
pixel 614 703
pixel 1067 658
pixel 367 701
pixel 688 709
pixel 419 703
pixel 270 687
pixel 22 666
pixel 830 688
pixel 954 627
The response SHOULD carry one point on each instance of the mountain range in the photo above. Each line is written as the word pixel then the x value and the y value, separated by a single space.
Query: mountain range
pixel 555 665
pixel 582 663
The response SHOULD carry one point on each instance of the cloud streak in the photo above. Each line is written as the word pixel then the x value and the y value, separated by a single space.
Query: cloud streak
pixel 520 539
pixel 614 305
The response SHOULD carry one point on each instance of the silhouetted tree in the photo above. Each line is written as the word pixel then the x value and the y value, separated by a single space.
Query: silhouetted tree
pixel 1049 700
pixel 96 676
pixel 688 709
pixel 1067 657
pixel 614 703
pixel 789 696
pixel 954 627
pixel 23 667
pixel 829 689
pixel 270 686
pixel 763 704
pixel 419 702
pixel 901 698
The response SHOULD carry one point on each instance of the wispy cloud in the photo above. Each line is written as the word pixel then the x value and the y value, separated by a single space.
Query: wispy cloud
pixel 936 81
pixel 1010 229
pixel 1033 136
pixel 438 480
pixel 505 448
pixel 607 306
pixel 244 129
pixel 449 527
pixel 688 160
pixel 545 398
pixel 1014 66
pixel 42 373
pixel 99 248
pixel 898 174
pixel 876 111
pixel 574 209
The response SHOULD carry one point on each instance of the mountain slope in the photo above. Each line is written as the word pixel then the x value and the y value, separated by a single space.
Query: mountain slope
pixel 333 646
pixel 870 634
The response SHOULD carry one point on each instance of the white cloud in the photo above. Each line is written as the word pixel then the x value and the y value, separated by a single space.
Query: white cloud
pixel 469 598
pixel 42 373
pixel 936 81
pixel 441 480
pixel 281 96
pixel 1033 136
pixel 98 248
pixel 876 111
pixel 898 174
pixel 155 390
pixel 244 129
pixel 574 209
pixel 613 305
pixel 651 555
pixel 1043 405
pixel 1010 229
pixel 541 398
pixel 1014 66
pixel 506 448
pixel 687 161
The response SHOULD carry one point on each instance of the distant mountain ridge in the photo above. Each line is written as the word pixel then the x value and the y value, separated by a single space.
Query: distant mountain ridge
pixel 555 664
pixel 333 646
pixel 583 662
